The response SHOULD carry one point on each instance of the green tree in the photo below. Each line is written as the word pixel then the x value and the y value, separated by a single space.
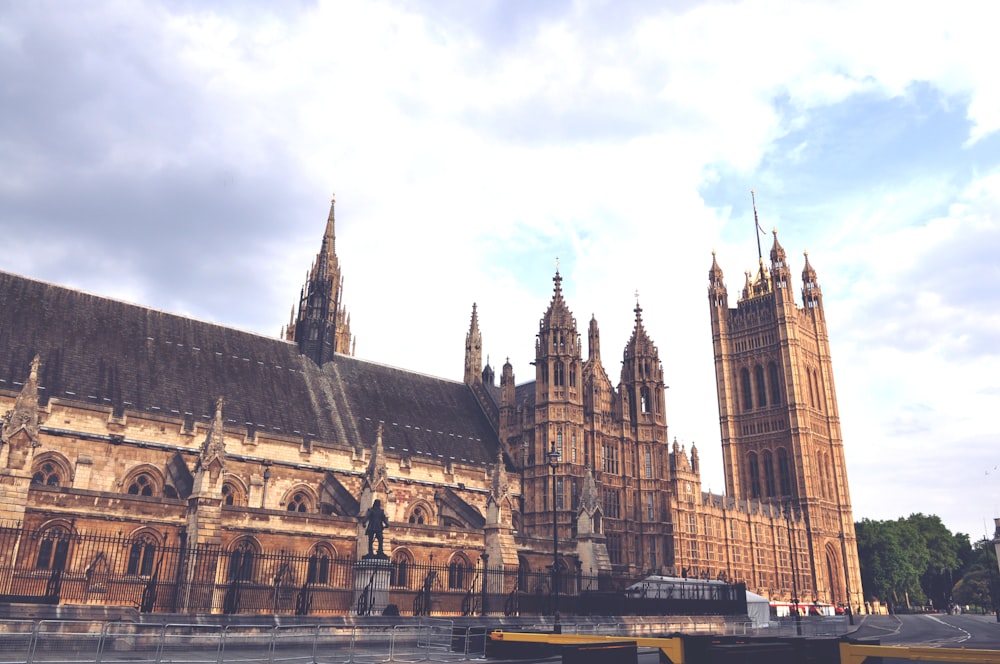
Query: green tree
pixel 978 576
pixel 943 561
pixel 892 556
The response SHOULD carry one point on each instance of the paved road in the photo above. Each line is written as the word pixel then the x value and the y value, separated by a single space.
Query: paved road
pixel 933 630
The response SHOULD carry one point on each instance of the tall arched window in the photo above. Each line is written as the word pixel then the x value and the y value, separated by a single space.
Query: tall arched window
pixel 753 468
pixel 758 372
pixel 399 573
pixel 458 572
pixel 141 555
pixel 241 561
pixel 768 474
pixel 53 549
pixel 784 472
pixel 644 399
pixel 774 379
pixel 745 390
pixel 318 567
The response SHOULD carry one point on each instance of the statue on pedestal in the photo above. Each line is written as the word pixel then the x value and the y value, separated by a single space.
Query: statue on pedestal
pixel 375 522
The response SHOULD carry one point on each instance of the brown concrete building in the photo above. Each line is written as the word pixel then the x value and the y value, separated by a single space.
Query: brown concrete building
pixel 176 435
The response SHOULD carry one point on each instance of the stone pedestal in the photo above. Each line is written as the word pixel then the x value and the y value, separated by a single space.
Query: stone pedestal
pixel 371 585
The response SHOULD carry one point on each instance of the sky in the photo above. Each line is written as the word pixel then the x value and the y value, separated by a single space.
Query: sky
pixel 183 155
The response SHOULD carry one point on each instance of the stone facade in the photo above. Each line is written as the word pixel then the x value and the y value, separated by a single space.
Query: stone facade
pixel 174 430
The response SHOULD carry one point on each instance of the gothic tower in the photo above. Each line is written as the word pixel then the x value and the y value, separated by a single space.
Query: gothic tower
pixel 558 422
pixel 322 327
pixel 642 383
pixel 778 415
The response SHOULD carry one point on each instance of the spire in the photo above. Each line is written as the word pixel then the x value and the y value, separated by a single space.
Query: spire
pixel 499 486
pixel 594 341
pixel 717 294
pixel 590 501
pixel 777 251
pixel 213 449
pixel 812 296
pixel 473 351
pixel 321 328
pixel 24 415
pixel 377 474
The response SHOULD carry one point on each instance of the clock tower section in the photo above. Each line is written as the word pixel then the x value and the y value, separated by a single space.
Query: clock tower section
pixel 780 425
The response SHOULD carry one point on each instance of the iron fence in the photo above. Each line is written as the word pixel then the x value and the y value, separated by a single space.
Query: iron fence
pixel 62 565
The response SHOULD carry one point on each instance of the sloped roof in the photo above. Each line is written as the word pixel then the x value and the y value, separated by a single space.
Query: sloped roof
pixel 131 358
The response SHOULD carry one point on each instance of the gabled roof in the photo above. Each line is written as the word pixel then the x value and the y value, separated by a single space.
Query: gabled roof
pixel 131 358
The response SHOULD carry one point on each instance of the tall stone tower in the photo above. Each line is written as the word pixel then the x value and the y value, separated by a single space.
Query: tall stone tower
pixel 322 326
pixel 780 426
pixel 558 421
pixel 643 389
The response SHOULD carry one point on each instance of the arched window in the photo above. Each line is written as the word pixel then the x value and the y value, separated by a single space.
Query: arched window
pixel 775 380
pixel 812 395
pixel 399 574
pixel 572 375
pixel 418 516
pixel 523 572
pixel 53 549
pixel 458 572
pixel 300 499
pixel 753 468
pixel 47 474
pixel 141 555
pixel 233 493
pixel 318 568
pixel 784 472
pixel 241 561
pixel 644 399
pixel 758 372
pixel 747 394
pixel 819 392
pixel 141 485
pixel 768 474
pixel 558 374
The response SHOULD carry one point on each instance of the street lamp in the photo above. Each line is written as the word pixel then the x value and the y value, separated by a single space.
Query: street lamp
pixel 795 582
pixel 553 459
pixel 847 577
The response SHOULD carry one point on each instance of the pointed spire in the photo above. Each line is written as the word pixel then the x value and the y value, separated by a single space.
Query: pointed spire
pixel 777 251
pixel 377 473
pixel 24 415
pixel 590 501
pixel 499 486
pixel 473 351
pixel 213 448
pixel 557 280
pixel 594 340
pixel 808 272
pixel 715 275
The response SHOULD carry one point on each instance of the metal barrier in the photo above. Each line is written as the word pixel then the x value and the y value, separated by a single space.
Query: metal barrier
pixel 16 639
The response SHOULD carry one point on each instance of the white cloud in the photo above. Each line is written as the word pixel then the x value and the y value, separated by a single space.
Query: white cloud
pixel 469 147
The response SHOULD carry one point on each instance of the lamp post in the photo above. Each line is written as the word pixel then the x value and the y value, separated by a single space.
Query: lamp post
pixel 847 578
pixel 795 582
pixel 995 587
pixel 553 459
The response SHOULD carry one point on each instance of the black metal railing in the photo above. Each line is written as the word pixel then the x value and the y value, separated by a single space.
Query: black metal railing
pixel 64 565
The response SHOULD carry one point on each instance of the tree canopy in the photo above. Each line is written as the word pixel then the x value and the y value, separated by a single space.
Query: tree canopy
pixel 917 561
